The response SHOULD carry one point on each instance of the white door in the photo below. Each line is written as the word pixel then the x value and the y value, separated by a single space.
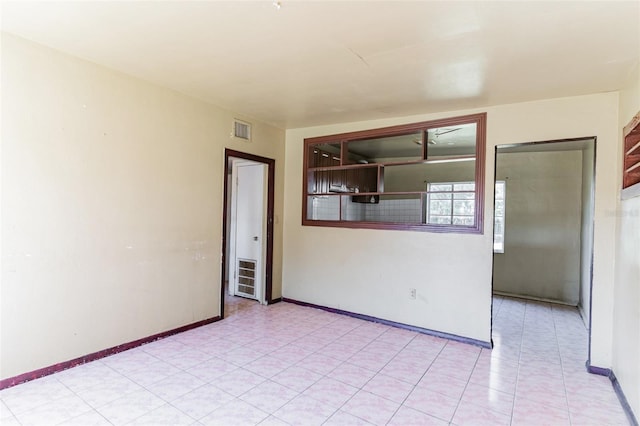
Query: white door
pixel 248 224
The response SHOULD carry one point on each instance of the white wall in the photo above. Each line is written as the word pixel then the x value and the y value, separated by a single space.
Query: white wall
pixel 626 325
pixel 370 271
pixel 111 207
pixel 542 225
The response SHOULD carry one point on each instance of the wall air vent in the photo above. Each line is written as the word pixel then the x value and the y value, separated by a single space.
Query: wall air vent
pixel 246 274
pixel 241 130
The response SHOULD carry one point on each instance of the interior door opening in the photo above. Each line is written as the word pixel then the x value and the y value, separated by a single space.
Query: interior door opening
pixel 247 261
pixel 546 223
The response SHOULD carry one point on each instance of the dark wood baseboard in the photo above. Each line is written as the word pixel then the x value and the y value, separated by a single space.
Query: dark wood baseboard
pixel 421 330
pixel 607 372
pixel 25 377
pixel 599 371
pixel 623 399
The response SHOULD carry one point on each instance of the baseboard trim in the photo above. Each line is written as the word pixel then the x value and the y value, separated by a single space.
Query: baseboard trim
pixel 276 300
pixel 600 371
pixel 36 374
pixel 421 330
pixel 607 372
pixel 623 400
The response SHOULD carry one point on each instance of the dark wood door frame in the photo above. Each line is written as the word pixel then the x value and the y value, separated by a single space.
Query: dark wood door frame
pixel 229 153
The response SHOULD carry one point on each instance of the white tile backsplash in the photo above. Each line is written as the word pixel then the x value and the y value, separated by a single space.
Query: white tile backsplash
pixel 394 211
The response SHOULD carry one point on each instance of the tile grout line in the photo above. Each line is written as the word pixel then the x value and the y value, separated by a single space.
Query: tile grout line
pixel 515 390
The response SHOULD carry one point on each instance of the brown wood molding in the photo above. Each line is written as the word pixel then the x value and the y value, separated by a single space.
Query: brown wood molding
pixel 32 375
pixel 402 129
pixel 417 329
pixel 322 174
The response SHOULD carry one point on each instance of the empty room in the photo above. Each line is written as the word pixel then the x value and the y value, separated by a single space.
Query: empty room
pixel 320 213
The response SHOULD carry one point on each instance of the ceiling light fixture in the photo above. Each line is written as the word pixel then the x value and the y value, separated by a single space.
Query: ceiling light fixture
pixel 277 5
pixel 444 131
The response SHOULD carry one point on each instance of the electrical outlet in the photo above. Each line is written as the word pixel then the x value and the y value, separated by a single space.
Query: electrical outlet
pixel 412 293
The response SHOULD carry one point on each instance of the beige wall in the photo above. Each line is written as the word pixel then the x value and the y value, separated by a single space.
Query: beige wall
pixel 626 325
pixel 414 178
pixel 370 271
pixel 586 231
pixel 111 207
pixel 542 225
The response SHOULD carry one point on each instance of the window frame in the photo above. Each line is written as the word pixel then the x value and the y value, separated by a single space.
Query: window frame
pixel 344 138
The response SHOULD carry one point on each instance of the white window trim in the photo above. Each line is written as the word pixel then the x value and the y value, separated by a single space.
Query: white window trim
pixel 452 215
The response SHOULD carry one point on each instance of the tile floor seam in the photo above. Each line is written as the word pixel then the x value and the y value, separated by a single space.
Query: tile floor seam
pixel 515 391
pixel 453 415
pixel 564 382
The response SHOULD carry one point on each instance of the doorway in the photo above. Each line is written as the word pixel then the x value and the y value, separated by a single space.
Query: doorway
pixel 547 222
pixel 247 255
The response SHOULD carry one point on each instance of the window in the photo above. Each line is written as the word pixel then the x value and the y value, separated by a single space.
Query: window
pixel 498 216
pixel 379 178
pixel 452 203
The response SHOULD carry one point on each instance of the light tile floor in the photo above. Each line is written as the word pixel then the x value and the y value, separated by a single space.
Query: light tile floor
pixel 290 365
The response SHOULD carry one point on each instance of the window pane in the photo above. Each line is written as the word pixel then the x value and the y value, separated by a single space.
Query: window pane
pixel 440 220
pixel 467 186
pixel 499 214
pixel 463 220
pixel 440 187
pixel 440 196
pixel 499 190
pixel 464 195
pixel 463 207
pixel 439 207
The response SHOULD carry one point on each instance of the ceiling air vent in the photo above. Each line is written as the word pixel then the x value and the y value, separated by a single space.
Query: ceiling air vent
pixel 242 130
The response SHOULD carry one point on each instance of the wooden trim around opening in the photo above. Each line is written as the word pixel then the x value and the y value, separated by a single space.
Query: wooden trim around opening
pixel 271 166
pixel 343 138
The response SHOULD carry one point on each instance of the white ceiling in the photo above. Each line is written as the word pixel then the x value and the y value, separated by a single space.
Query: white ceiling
pixel 311 63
